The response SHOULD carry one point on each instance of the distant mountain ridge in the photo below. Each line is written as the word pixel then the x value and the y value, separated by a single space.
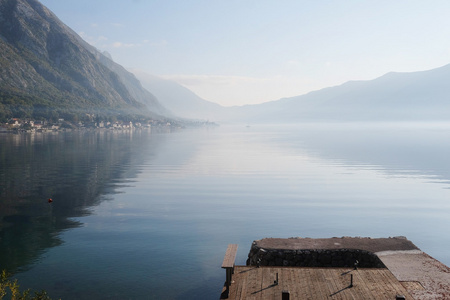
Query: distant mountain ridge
pixel 415 96
pixel 180 100
pixel 47 69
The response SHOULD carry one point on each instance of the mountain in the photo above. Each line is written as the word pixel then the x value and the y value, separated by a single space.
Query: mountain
pixel 415 96
pixel 180 100
pixel 133 85
pixel 48 70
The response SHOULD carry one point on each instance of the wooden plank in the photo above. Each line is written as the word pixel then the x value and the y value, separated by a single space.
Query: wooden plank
pixel 270 289
pixel 252 283
pixel 361 285
pixel 396 289
pixel 304 285
pixel 320 284
pixel 389 289
pixel 294 281
pixel 370 281
pixel 291 280
pixel 360 281
pixel 336 282
pixel 243 292
pixel 240 292
pixel 230 256
pixel 329 282
pixel 258 283
pixel 309 284
pixel 315 284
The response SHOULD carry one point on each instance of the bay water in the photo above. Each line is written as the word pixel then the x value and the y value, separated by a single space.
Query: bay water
pixel 148 214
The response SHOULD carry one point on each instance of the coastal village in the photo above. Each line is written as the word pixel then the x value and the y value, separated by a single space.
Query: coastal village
pixel 16 125
pixel 29 125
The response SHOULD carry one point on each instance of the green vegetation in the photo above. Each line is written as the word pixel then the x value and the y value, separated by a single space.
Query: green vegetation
pixel 17 105
pixel 49 73
pixel 11 289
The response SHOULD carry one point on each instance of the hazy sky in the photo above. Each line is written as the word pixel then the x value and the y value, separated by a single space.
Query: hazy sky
pixel 236 52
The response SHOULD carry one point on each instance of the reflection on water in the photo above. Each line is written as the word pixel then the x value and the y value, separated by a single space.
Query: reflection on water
pixel 415 148
pixel 150 215
pixel 74 169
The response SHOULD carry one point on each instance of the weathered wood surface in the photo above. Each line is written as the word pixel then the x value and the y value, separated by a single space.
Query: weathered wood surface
pixel 230 256
pixel 314 283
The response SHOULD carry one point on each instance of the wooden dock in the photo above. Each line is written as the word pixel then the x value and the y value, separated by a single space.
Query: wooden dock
pixel 335 268
pixel 260 283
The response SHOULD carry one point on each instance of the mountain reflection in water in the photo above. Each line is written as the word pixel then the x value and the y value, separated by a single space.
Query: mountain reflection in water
pixel 150 214
pixel 75 169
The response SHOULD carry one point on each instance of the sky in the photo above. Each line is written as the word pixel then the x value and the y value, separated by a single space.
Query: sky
pixel 237 52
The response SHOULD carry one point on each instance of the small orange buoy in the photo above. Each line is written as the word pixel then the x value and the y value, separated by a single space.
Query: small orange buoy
pixel 50 200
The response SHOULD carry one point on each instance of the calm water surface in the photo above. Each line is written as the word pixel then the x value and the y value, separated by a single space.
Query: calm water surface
pixel 148 215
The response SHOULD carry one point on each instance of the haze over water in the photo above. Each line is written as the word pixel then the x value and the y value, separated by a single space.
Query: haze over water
pixel 148 215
